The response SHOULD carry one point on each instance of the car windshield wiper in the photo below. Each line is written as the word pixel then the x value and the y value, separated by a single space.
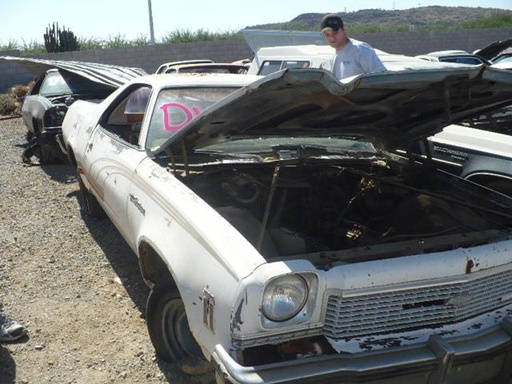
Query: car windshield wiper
pixel 304 151
pixel 217 153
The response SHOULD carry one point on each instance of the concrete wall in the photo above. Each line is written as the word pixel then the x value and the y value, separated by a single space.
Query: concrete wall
pixel 417 43
pixel 150 57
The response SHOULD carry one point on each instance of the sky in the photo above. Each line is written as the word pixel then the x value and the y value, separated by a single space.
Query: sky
pixel 24 22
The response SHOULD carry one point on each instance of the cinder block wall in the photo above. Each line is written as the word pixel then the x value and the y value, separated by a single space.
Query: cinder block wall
pixel 147 58
pixel 417 43
pixel 150 57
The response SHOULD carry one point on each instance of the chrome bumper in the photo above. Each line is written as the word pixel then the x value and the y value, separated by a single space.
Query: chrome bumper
pixel 60 141
pixel 484 356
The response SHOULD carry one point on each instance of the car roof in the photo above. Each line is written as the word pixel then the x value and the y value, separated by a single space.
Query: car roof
pixel 170 64
pixel 447 53
pixel 207 66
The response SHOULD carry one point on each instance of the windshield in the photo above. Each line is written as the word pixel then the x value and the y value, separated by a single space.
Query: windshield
pixel 503 59
pixel 65 83
pixel 175 108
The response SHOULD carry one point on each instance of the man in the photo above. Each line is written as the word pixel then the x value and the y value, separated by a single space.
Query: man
pixel 351 57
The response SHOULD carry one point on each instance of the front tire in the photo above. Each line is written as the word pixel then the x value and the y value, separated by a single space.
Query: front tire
pixel 88 202
pixel 168 324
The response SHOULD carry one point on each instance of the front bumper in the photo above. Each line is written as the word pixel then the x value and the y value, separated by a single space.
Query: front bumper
pixel 484 357
pixel 60 141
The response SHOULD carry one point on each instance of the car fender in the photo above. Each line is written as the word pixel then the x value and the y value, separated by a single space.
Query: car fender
pixel 34 108
pixel 77 126
pixel 206 256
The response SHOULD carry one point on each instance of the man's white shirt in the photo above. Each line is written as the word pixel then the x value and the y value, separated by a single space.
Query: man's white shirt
pixel 355 58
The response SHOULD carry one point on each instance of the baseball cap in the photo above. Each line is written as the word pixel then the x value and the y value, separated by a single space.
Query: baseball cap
pixel 331 21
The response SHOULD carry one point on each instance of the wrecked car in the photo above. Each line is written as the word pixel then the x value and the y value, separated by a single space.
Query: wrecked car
pixel 478 149
pixel 285 240
pixel 58 85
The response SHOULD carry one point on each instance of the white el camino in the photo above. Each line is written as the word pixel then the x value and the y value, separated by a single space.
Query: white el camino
pixel 283 238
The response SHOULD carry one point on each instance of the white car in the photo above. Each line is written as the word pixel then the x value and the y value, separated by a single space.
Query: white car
pixel 165 66
pixel 283 238
pixel 271 59
pixel 480 156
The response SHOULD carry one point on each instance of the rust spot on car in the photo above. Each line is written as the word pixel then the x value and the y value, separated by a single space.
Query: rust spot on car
pixel 469 266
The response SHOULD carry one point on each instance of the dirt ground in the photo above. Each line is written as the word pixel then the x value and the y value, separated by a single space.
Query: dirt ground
pixel 71 280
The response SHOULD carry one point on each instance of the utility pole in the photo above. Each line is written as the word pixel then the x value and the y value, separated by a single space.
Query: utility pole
pixel 151 30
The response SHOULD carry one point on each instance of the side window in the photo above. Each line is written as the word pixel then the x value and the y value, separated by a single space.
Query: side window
pixel 269 67
pixel 470 60
pixel 296 64
pixel 125 120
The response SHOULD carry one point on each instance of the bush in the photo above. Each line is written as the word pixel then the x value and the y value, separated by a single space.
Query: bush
pixel 10 102
pixel 7 105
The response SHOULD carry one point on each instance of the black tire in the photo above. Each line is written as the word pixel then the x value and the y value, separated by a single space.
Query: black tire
pixel 40 151
pixel 88 202
pixel 168 324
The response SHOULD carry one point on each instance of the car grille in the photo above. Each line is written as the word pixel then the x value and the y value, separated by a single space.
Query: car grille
pixel 364 313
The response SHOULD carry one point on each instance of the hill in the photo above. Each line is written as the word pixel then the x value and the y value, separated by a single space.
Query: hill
pixel 430 17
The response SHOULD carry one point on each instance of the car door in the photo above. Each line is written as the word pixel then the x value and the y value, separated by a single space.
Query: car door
pixel 111 158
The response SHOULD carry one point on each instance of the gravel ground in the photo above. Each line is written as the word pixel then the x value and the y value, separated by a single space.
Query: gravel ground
pixel 72 281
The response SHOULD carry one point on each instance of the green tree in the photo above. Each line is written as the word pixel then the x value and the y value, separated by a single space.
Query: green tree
pixel 57 40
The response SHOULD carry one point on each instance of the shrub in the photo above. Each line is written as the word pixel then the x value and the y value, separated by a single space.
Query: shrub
pixel 10 102
pixel 7 105
pixel 19 91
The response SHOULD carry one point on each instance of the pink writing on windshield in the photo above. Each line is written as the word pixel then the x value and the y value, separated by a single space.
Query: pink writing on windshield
pixel 178 109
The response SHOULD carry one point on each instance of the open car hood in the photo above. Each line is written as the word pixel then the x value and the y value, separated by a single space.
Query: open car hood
pixel 112 75
pixel 389 109
pixel 492 50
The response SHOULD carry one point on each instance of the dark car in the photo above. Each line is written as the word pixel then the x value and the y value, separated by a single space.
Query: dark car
pixel 46 104
pixel 455 56
pixel 486 55
pixel 58 85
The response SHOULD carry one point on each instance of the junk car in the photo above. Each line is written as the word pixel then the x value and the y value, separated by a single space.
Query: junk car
pixel 59 84
pixel 483 157
pixel 285 240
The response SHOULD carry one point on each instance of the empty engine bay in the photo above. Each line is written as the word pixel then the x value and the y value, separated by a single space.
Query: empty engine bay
pixel 289 210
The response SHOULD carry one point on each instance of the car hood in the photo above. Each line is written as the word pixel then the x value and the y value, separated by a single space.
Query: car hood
pixel 389 109
pixel 112 75
pixel 492 50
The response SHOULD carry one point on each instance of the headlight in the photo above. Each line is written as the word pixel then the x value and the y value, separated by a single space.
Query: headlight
pixel 284 297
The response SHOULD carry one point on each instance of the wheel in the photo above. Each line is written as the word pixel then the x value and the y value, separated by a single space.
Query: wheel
pixel 39 150
pixel 168 325
pixel 88 203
